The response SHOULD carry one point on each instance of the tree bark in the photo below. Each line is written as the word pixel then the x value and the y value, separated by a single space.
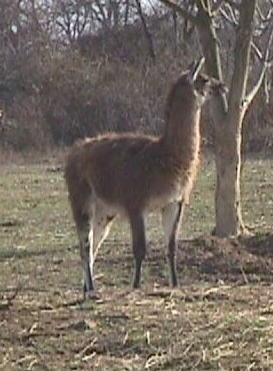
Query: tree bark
pixel 228 215
pixel 228 158
pixel 228 116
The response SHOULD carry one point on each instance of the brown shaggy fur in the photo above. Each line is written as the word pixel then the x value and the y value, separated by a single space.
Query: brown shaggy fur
pixel 129 174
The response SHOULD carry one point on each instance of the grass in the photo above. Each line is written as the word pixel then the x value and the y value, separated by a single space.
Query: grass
pixel 219 319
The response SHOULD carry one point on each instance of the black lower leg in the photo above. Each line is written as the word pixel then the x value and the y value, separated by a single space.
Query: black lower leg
pixel 85 257
pixel 88 281
pixel 137 274
pixel 172 261
pixel 139 246
pixel 172 245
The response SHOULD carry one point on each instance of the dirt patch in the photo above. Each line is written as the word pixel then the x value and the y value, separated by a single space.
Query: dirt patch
pixel 212 259
pixel 232 260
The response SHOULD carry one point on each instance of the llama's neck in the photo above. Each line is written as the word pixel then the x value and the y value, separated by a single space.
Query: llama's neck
pixel 182 133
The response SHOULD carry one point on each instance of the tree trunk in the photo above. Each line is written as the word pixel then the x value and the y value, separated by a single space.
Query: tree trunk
pixel 229 220
pixel 228 119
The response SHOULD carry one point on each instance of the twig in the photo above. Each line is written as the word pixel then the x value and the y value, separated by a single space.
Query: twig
pixel 180 10
pixel 244 275
pixel 206 7
pixel 231 17
pixel 8 302
pixel 217 6
pixel 266 63
pixel 88 349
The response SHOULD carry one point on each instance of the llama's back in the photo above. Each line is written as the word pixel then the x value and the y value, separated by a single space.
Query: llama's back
pixel 125 170
pixel 109 165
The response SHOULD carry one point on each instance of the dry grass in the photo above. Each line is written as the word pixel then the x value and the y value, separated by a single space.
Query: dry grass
pixel 220 318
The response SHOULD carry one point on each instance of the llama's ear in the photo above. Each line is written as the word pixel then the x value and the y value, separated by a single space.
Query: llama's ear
pixel 195 68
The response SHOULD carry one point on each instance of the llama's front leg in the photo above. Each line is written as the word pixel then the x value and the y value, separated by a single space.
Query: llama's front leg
pixel 101 228
pixel 171 218
pixel 139 245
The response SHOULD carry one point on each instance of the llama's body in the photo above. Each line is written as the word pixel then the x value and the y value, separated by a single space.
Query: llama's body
pixel 127 159
pixel 131 174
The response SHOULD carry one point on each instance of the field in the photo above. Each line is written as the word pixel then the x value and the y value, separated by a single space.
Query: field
pixel 221 317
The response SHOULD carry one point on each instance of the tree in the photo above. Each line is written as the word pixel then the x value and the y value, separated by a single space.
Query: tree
pixel 228 112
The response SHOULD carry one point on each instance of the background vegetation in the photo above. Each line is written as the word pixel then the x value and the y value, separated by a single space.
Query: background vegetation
pixel 80 67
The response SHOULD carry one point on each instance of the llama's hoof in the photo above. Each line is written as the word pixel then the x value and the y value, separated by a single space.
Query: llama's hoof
pixel 174 285
pixel 90 295
pixel 136 286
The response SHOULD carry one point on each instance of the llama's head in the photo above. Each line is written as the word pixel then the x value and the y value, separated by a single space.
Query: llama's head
pixel 203 86
pixel 193 87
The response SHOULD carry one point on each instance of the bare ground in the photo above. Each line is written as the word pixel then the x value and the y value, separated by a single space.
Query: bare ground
pixel 219 319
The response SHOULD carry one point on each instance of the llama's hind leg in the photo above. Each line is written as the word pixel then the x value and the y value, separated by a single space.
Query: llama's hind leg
pixel 93 228
pixel 139 245
pixel 86 240
pixel 100 224
pixel 171 219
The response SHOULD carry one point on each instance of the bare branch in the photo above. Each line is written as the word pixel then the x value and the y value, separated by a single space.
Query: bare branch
pixel 96 16
pixel 180 10
pixel 102 13
pixel 206 6
pixel 146 31
pixel 232 13
pixel 256 50
pixel 265 18
pixel 267 86
pixel 264 21
pixel 233 4
pixel 217 6
pixel 241 58
pixel 266 63
pixel 126 12
pixel 230 19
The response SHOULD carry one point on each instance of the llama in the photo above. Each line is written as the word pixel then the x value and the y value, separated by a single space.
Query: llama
pixel 132 174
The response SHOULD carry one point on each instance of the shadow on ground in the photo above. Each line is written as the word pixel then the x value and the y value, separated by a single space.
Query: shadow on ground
pixel 213 259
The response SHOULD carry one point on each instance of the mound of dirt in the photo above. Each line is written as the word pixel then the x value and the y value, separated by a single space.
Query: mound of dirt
pixel 247 259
